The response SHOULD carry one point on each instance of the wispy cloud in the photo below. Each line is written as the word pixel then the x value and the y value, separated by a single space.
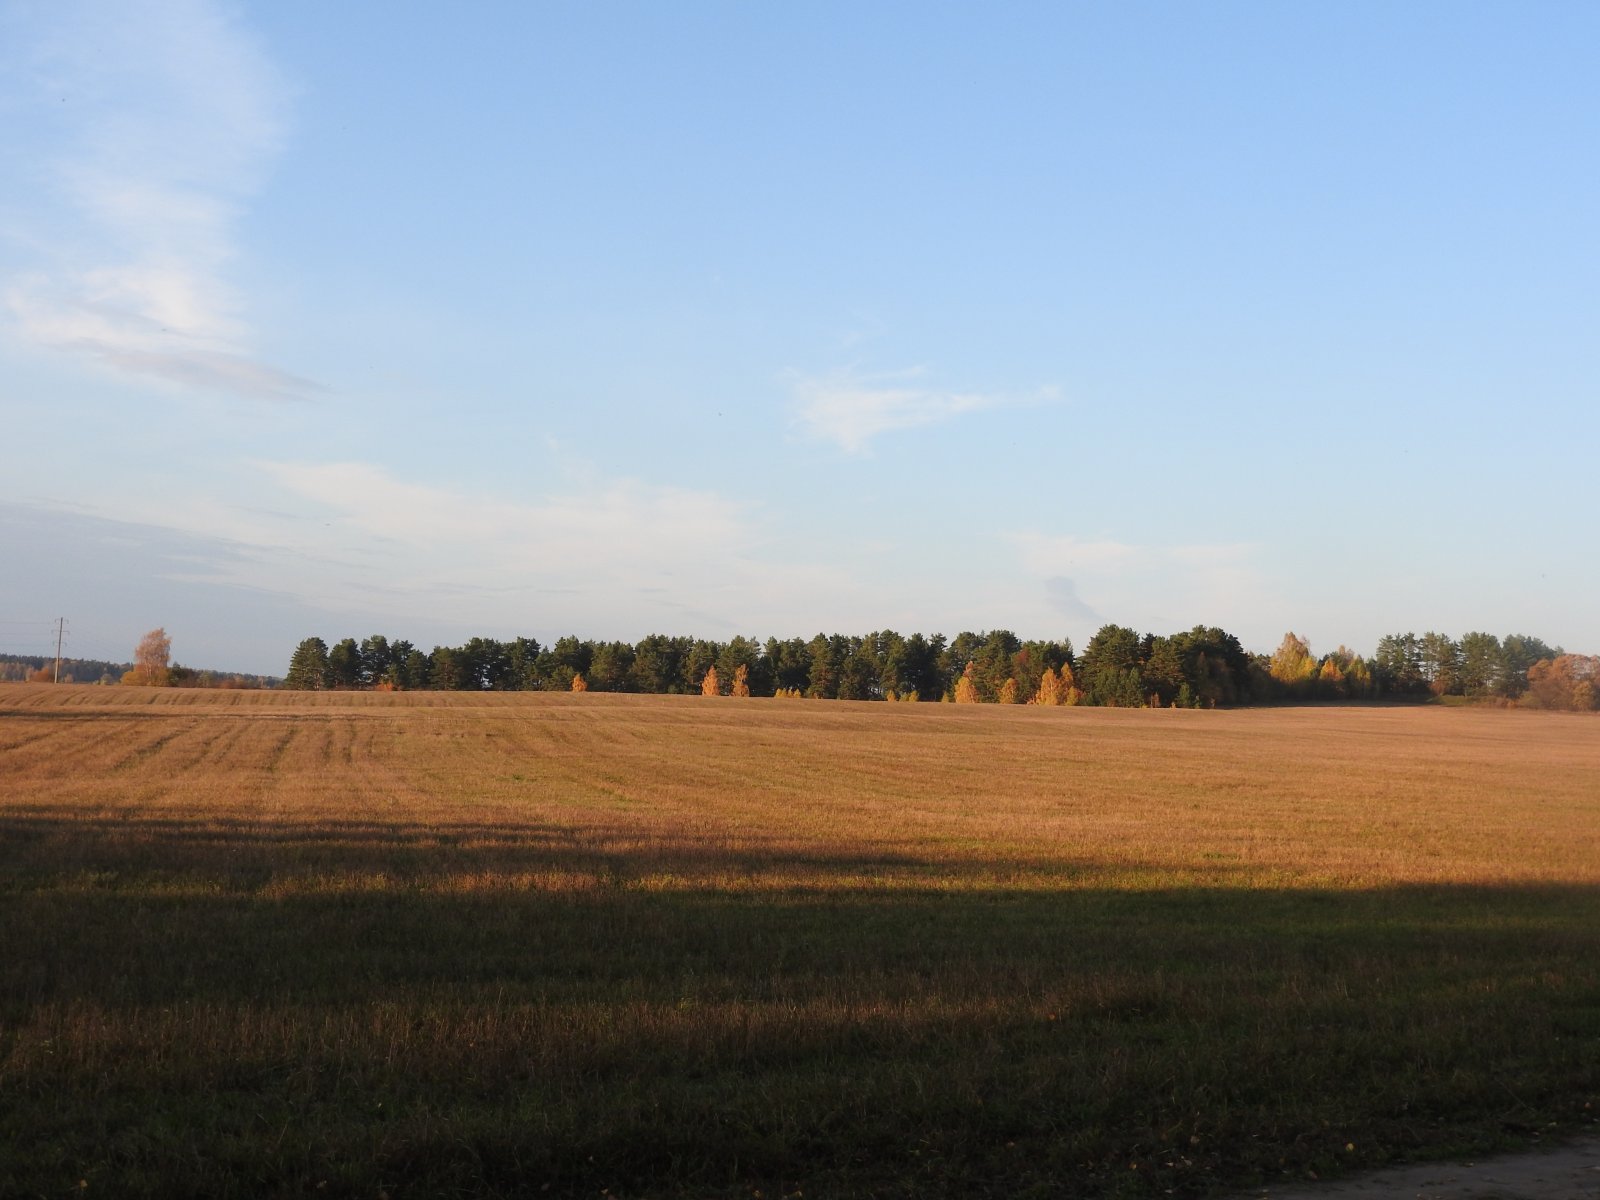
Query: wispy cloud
pixel 635 528
pixel 851 409
pixel 162 119
pixel 611 557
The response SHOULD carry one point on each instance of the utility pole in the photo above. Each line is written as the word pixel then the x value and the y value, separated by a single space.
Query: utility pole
pixel 61 626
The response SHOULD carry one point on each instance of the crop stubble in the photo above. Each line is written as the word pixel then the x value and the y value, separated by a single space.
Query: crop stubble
pixel 487 944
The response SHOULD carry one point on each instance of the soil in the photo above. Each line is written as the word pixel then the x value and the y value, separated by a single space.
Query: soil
pixel 1569 1172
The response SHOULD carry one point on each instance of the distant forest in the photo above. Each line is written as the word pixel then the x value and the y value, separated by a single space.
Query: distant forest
pixel 1120 667
pixel 20 667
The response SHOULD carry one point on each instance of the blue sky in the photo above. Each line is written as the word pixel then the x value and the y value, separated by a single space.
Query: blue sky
pixel 716 319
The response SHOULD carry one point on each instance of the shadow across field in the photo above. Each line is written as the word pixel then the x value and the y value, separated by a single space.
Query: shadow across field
pixel 216 1007
pixel 240 856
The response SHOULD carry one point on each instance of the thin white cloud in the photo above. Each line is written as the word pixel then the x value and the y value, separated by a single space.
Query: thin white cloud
pixel 628 524
pixel 162 120
pixel 850 409
pixel 615 558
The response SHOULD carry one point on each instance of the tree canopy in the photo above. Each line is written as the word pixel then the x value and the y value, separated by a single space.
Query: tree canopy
pixel 1204 667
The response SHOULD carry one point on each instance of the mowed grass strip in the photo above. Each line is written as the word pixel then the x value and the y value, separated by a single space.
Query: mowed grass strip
pixel 268 943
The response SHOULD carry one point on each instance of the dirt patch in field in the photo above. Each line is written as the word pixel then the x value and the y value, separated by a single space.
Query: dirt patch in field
pixel 1570 1172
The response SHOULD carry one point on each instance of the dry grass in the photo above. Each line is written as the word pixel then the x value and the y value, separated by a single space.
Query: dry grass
pixel 265 943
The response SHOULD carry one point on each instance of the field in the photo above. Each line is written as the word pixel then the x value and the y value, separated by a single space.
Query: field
pixel 441 944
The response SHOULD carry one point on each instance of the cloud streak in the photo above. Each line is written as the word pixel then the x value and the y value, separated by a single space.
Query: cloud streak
pixel 851 410
pixel 160 122
pixel 623 556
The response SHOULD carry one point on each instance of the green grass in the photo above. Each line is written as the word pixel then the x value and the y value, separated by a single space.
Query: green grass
pixel 664 947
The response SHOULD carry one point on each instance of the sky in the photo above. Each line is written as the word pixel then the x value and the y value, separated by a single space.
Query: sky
pixel 714 319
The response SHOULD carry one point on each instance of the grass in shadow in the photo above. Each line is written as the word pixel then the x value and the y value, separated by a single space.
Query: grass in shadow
pixel 344 1008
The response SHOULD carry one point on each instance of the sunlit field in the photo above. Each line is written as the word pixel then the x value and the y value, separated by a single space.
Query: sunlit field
pixel 530 944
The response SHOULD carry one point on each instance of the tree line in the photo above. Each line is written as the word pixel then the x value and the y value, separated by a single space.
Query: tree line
pixel 40 668
pixel 152 667
pixel 1205 667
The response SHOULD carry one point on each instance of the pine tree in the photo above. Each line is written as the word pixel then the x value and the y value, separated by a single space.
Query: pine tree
pixel 308 667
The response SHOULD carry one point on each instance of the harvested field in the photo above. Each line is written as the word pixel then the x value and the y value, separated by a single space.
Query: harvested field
pixel 446 944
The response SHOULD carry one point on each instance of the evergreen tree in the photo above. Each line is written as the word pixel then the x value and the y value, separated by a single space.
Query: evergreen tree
pixel 1163 668
pixel 858 673
pixel 1519 652
pixel 308 666
pixel 699 656
pixel 1441 664
pixel 1398 664
pixel 739 653
pixel 920 672
pixel 610 667
pixel 376 657
pixel 1109 664
pixel 824 668
pixel 417 671
pixel 444 670
pixel 344 664
pixel 1482 664
pixel 995 663
pixel 657 665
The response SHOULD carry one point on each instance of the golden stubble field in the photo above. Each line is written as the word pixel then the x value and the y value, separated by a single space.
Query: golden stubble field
pixel 271 943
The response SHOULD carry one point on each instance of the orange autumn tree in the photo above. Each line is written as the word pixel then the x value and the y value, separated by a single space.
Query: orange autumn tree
pixel 1049 692
pixel 1292 664
pixel 1568 681
pixel 1330 680
pixel 150 660
pixel 579 684
pixel 711 685
pixel 741 681
pixel 1008 692
pixel 966 689
pixel 1071 693
pixel 1357 675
